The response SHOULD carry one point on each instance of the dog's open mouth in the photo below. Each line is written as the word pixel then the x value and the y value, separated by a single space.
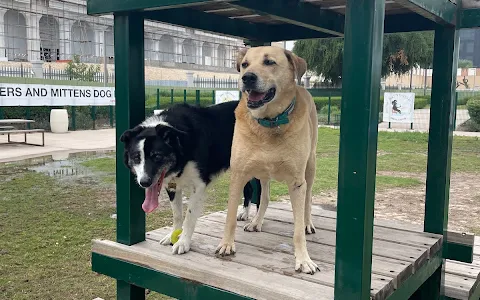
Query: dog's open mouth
pixel 151 194
pixel 257 99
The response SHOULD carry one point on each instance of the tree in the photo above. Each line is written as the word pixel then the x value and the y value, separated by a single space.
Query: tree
pixel 401 53
pixel 80 71
pixel 465 64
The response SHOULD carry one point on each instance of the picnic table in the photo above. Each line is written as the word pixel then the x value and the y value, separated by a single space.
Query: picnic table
pixel 6 128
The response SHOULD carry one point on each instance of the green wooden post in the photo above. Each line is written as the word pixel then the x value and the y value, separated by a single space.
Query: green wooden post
pixel 213 96
pixel 130 93
pixel 158 98
pixel 74 118
pixel 442 112
pixel 1 113
pixel 358 130
pixel 197 97
pixel 27 116
pixel 93 114
pixel 110 115
pixel 329 107
pixel 184 96
pixel 171 96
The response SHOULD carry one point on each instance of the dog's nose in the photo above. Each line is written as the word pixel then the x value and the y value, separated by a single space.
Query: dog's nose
pixel 249 78
pixel 145 183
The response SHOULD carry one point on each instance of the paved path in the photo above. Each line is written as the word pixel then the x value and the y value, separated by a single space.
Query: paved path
pixel 74 141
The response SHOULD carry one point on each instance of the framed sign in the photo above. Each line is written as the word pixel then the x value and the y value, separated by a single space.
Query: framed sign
pixel 224 96
pixel 398 107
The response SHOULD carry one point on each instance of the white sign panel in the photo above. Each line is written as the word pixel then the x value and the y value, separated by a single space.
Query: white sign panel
pixel 55 95
pixel 398 107
pixel 224 96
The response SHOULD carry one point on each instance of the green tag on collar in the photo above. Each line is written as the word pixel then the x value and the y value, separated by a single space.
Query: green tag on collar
pixel 281 119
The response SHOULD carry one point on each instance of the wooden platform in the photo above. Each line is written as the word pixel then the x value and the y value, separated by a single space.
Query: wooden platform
pixel 263 267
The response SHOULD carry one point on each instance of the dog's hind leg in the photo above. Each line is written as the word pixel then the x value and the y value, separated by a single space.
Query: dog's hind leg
pixel 247 195
pixel 257 222
pixel 194 211
pixel 303 263
pixel 177 209
pixel 309 177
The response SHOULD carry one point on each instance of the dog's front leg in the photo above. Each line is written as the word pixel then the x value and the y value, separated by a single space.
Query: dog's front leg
pixel 194 211
pixel 257 222
pixel 303 263
pixel 177 209
pixel 237 182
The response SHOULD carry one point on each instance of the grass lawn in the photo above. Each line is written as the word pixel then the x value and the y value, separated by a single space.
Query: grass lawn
pixel 46 223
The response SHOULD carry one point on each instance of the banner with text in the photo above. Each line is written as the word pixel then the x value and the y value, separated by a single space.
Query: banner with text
pixel 12 94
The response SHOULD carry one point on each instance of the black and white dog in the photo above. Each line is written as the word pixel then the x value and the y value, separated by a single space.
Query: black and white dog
pixel 189 146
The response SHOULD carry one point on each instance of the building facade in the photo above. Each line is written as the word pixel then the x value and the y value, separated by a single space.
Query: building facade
pixel 57 30
pixel 470 46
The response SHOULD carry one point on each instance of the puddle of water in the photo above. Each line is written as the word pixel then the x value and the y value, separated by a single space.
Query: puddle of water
pixel 63 165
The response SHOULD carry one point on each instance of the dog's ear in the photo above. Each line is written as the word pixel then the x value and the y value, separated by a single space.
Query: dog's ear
pixel 127 136
pixel 241 54
pixel 298 63
pixel 171 136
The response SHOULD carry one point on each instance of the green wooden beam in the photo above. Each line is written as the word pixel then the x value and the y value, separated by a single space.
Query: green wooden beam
pixel 458 252
pixel 415 282
pixel 130 100
pixel 407 23
pixel 362 60
pixel 440 138
pixel 469 18
pixel 440 11
pixel 220 24
pixel 302 14
pixel 99 7
pixel 140 276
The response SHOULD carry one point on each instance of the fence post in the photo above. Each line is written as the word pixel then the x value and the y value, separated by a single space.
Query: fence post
pixel 329 107
pixel 185 96
pixel 27 116
pixel 158 98
pixel 110 115
pixel 21 70
pixel 171 96
pixel 93 115
pixel 213 96
pixel 74 118
pixel 1 113
pixel 455 113
pixel 197 97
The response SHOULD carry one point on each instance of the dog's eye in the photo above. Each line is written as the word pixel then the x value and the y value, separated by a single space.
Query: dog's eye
pixel 136 158
pixel 244 65
pixel 269 62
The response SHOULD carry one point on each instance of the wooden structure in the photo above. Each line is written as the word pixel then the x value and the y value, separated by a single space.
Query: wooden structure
pixel 9 130
pixel 358 273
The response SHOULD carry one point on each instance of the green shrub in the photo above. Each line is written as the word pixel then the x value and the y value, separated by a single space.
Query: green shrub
pixel 323 101
pixel 420 103
pixel 470 125
pixel 473 107
pixel 333 110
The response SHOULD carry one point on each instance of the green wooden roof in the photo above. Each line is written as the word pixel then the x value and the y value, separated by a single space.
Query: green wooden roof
pixel 278 20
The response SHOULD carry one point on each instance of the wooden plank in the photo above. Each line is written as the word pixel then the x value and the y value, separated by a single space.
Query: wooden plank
pixel 462 238
pixel 223 274
pixel 471 3
pixel 397 270
pixel 458 287
pixel 476 247
pixel 273 261
pixel 415 256
pixel 462 269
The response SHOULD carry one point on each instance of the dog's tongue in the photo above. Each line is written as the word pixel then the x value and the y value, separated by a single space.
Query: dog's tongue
pixel 256 96
pixel 151 195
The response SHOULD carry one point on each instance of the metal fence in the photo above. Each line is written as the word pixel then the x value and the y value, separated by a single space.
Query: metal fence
pixel 215 83
pixel 50 73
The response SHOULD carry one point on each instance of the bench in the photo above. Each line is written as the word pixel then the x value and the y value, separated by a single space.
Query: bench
pixel 462 280
pixel 6 128
pixel 24 132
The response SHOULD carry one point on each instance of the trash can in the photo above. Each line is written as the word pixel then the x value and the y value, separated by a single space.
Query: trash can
pixel 59 120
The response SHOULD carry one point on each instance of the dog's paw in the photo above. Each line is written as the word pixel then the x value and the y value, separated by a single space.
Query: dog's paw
pixel 310 228
pixel 253 226
pixel 225 249
pixel 181 246
pixel 243 215
pixel 167 239
pixel 306 266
